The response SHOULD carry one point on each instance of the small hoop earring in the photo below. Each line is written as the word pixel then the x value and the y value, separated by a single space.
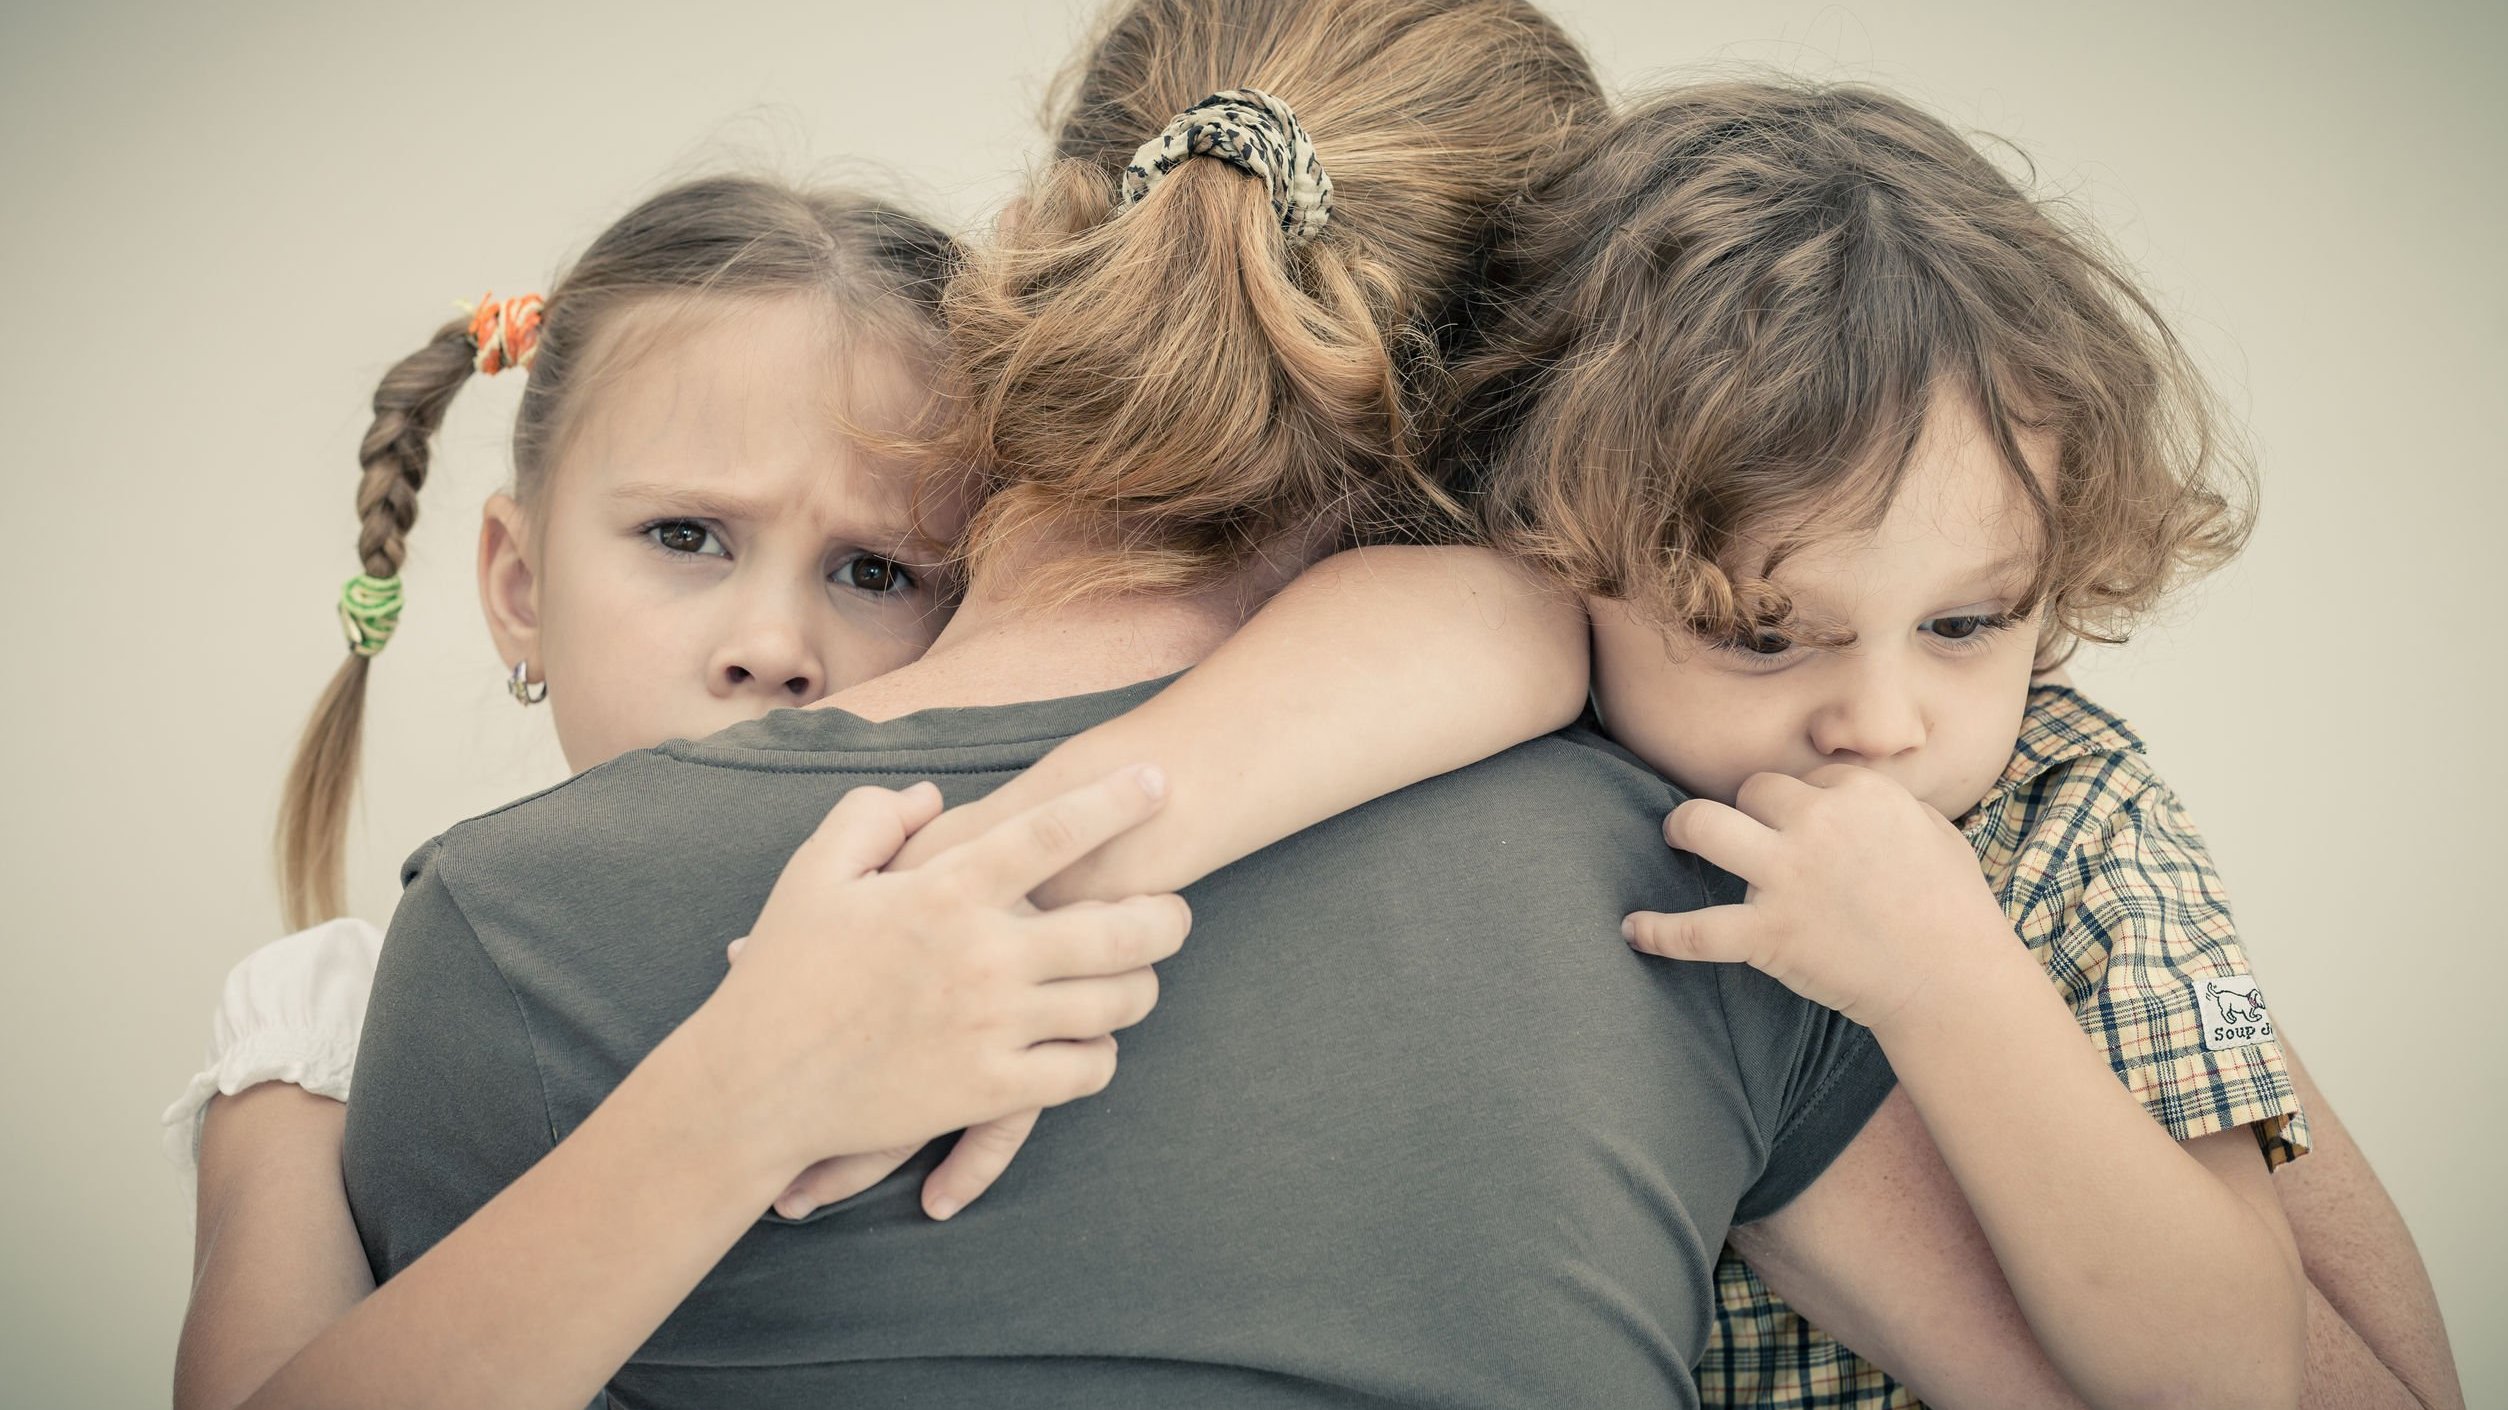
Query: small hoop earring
pixel 526 691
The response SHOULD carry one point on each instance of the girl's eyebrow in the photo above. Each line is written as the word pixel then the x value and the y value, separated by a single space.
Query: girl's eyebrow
pixel 711 504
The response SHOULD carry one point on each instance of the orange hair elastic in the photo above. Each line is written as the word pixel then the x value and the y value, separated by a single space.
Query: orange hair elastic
pixel 506 334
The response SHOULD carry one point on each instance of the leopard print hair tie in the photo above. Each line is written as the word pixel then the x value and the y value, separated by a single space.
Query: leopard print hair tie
pixel 1253 131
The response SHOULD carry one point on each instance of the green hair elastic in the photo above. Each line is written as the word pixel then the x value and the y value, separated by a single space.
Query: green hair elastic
pixel 369 609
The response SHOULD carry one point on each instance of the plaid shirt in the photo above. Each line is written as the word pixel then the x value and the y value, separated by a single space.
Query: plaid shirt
pixel 2107 881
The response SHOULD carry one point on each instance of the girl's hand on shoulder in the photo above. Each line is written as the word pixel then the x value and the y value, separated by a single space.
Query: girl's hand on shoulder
pixel 1860 894
pixel 875 1010
pixel 982 1153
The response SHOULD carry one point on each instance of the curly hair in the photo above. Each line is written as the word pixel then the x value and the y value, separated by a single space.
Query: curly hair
pixel 1715 332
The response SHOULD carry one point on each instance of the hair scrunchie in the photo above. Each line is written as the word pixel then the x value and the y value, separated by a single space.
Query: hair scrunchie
pixel 1253 131
pixel 370 609
pixel 505 333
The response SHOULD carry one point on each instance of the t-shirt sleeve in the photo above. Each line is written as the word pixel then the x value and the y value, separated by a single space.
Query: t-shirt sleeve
pixel 1812 1076
pixel 2152 965
pixel 449 1105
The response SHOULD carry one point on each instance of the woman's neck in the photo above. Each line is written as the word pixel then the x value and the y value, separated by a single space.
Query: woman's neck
pixel 1004 649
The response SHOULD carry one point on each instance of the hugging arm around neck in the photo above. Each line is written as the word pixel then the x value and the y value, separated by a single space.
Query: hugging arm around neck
pixel 1376 669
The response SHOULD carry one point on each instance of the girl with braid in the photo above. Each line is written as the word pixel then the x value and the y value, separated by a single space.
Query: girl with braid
pixel 691 538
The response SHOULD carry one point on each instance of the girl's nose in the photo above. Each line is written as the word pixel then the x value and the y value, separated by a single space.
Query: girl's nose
pixel 769 658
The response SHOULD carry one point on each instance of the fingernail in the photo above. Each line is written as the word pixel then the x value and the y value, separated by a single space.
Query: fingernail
pixel 1628 928
pixel 734 948
pixel 944 1207
pixel 1153 781
pixel 792 1207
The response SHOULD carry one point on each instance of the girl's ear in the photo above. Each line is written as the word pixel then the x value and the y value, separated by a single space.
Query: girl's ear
pixel 509 586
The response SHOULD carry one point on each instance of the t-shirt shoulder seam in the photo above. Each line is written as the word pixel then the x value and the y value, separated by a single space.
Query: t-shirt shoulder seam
pixel 535 795
pixel 522 1015
pixel 849 764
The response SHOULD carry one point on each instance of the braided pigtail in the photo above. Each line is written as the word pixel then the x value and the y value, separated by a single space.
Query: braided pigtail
pixel 313 810
pixel 726 237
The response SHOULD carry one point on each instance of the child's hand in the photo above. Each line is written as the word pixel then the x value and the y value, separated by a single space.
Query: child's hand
pixel 981 1155
pixel 1859 894
pixel 875 1009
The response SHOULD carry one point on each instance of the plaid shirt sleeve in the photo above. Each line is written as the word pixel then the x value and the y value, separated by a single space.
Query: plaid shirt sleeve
pixel 1762 1353
pixel 2131 921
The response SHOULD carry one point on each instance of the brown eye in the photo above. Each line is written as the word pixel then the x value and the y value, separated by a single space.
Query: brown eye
pixel 873 574
pixel 1966 627
pixel 682 536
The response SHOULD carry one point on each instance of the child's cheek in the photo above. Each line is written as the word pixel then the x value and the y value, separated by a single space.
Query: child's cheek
pixel 1687 734
pixel 1976 745
pixel 619 681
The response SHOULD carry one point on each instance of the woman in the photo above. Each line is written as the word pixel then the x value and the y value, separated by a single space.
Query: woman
pixel 1291 359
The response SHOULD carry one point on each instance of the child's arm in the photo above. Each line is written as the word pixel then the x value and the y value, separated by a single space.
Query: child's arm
pixel 1883 1254
pixel 1376 669
pixel 2375 1337
pixel 276 1257
pixel 1890 1284
pixel 2151 1272
pixel 869 1006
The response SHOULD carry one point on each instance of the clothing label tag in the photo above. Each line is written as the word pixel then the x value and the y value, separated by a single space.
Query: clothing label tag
pixel 2233 1012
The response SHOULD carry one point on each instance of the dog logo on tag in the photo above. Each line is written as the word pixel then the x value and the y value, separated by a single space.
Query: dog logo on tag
pixel 2233 1011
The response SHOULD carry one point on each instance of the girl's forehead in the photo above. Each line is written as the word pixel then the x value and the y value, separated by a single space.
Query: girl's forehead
pixel 699 367
pixel 767 406
pixel 793 349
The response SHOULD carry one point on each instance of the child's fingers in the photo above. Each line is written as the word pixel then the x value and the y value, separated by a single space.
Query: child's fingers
pixel 1054 1073
pixel 1858 776
pixel 1017 855
pixel 979 1158
pixel 1071 1009
pixel 1089 938
pixel 841 1177
pixel 867 826
pixel 1773 798
pixel 1714 934
pixel 1726 837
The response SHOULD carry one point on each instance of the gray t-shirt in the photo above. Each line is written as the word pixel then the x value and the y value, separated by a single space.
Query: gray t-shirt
pixel 1410 1126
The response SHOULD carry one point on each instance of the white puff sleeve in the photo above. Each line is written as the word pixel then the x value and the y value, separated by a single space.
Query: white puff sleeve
pixel 291 1012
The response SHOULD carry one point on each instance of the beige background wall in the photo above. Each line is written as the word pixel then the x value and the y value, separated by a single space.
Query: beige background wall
pixel 219 223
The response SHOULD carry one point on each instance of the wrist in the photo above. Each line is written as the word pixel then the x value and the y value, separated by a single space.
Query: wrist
pixel 1978 965
pixel 704 1100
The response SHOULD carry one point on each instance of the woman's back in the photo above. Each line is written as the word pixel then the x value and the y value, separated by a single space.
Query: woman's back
pixel 1382 1139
